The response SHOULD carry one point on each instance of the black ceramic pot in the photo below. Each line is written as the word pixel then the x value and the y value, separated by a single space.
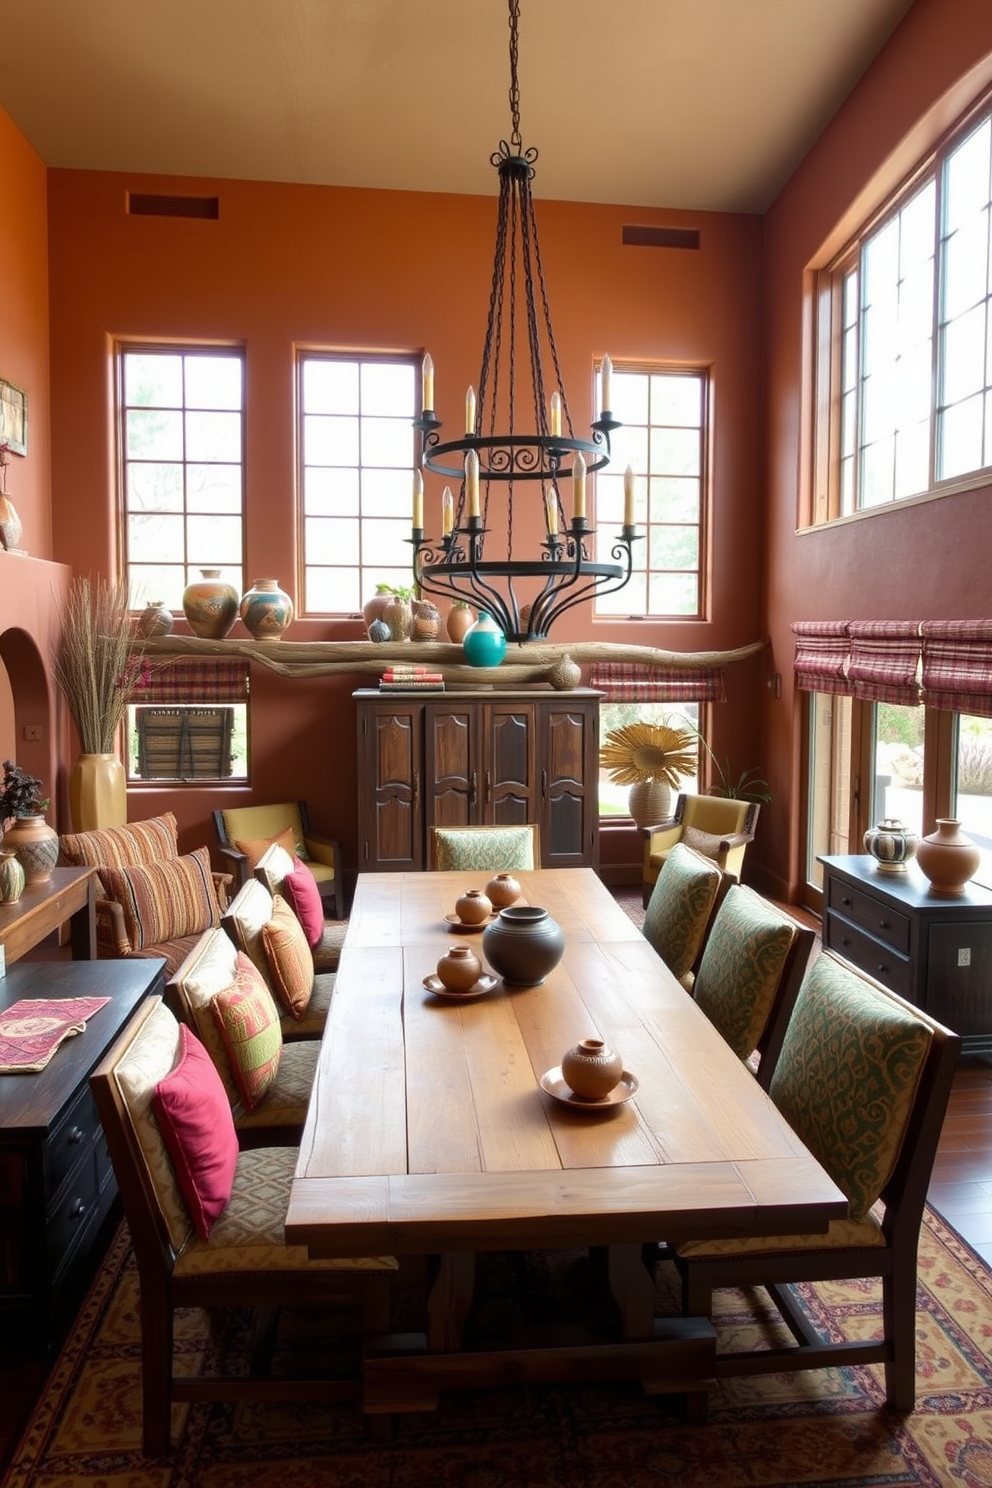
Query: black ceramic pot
pixel 523 944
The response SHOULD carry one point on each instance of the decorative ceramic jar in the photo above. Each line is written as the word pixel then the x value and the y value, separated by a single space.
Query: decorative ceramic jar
pixel 502 890
pixel 11 528
pixel 372 608
pixel 650 802
pixel 460 969
pixel 892 844
pixel 154 620
pixel 97 792
pixel 948 858
pixel 565 674
pixel 473 907
pixel 36 845
pixel 460 617
pixel 11 877
pixel 484 644
pixel 590 1069
pixel 266 610
pixel 210 605
pixel 398 617
pixel 522 944
pixel 379 632
pixel 426 621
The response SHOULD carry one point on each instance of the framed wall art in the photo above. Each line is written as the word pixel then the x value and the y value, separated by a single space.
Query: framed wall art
pixel 13 417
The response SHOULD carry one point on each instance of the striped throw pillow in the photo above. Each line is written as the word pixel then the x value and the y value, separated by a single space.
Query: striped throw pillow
pixel 289 957
pixel 248 1020
pixel 149 841
pixel 162 901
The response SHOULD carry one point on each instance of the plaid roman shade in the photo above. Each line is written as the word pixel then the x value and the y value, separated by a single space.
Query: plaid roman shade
pixel 957 665
pixel 885 661
pixel 822 654
pixel 210 681
pixel 624 682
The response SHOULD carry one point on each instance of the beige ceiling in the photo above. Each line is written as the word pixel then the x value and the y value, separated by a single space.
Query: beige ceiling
pixel 703 104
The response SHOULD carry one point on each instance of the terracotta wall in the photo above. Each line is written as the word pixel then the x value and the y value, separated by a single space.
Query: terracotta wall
pixel 286 266
pixel 929 560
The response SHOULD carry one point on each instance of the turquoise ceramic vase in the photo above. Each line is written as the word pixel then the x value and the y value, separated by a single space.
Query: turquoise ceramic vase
pixel 484 644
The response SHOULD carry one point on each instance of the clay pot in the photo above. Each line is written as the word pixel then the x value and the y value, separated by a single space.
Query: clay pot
pixel 426 621
pixel 460 617
pixel 947 857
pixel 650 802
pixel 590 1069
pixel 11 877
pixel 523 944
pixel 502 890
pixel 266 610
pixel 891 844
pixel 473 907
pixel 379 632
pixel 372 608
pixel 460 969
pixel 398 617
pixel 154 620
pixel 210 605
pixel 565 675
pixel 36 845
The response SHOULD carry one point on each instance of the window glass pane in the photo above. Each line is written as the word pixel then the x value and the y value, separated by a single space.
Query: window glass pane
pixel 829 781
pixel 674 500
pixel 959 431
pixel 965 277
pixel 389 442
pixel 154 435
pixel 213 436
pixel 152 486
pixel 964 355
pixel 631 600
pixel 193 743
pixel 898 765
pixel 330 441
pixel 388 388
pixel 912 459
pixel 212 541
pixel 330 386
pixel 332 539
pixel 153 380
pixel 673 594
pixel 613 798
pixel 213 488
pixel 154 536
pixel 214 382
pixel 972 787
pixel 328 492
pixel 966 179
pixel 629 446
pixel 629 398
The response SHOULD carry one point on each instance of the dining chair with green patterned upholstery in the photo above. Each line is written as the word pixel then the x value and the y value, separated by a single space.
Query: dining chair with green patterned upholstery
pixel 680 908
pixel 485 849
pixel 863 1079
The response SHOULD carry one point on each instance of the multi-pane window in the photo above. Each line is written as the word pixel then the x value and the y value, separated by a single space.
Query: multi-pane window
pixel 182 443
pixel 904 395
pixel 358 457
pixel 662 440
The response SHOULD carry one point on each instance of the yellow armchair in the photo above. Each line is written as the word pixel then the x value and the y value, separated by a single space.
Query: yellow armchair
pixel 255 827
pixel 719 827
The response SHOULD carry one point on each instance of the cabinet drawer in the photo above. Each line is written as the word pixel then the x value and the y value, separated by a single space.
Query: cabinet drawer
pixel 881 921
pixel 73 1137
pixel 868 954
pixel 69 1218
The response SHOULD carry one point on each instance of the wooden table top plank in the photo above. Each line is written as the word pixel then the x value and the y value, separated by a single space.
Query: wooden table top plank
pixel 512 1123
pixel 442 1128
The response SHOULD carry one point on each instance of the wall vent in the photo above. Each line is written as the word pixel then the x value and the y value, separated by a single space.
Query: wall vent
pixel 140 205
pixel 661 237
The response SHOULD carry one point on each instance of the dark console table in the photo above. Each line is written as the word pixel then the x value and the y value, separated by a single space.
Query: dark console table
pixel 57 1184
pixel 934 951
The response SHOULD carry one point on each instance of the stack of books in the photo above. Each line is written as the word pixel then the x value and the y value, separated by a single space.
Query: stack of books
pixel 405 676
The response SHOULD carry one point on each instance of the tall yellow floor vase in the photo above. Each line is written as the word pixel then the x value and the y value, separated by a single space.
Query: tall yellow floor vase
pixel 97 792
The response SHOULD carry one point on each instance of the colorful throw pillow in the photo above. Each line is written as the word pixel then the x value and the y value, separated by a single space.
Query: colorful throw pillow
pixel 254 847
pixel 148 841
pixel 680 906
pixel 248 1020
pixel 289 958
pixel 195 1118
pixel 162 901
pixel 707 843
pixel 742 966
pixel 300 889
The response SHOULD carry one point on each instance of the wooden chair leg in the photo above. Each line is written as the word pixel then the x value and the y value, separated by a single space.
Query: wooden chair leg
pixel 899 1323
pixel 156 1375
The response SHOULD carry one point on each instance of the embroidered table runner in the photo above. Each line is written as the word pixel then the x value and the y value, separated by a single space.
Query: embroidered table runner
pixel 32 1029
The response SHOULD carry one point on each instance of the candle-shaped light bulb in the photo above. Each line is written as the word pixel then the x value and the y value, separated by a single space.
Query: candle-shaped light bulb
pixel 418 501
pixel 579 487
pixel 551 513
pixel 556 415
pixel 470 411
pixel 427 383
pixel 605 385
pixel 447 512
pixel 628 497
pixel 472 482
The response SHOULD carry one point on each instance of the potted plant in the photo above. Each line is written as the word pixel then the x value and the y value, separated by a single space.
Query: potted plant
pixel 651 758
pixel 25 830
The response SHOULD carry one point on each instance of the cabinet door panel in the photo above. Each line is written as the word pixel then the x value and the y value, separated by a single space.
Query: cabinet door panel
pixel 390 755
pixel 568 787
pixel 451 766
pixel 509 764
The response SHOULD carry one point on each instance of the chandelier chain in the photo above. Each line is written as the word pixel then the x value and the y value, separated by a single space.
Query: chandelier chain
pixel 515 138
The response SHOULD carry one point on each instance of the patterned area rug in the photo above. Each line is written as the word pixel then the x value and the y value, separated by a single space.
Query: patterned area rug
pixel 824 1427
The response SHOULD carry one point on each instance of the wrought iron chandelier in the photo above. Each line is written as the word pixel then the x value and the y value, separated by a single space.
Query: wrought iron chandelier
pixel 524 596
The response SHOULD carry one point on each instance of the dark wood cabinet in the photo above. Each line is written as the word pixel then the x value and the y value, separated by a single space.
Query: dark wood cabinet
pixel 465 758
pixel 57 1183
pixel 934 951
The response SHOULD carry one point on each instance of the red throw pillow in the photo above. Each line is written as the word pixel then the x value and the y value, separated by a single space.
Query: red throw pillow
pixel 300 888
pixel 197 1127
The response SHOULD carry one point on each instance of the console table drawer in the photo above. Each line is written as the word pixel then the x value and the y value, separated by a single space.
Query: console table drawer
pixel 70 1217
pixel 74 1136
pixel 880 920
pixel 872 956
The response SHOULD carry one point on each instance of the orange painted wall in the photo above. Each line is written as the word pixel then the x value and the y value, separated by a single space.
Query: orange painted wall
pixel 291 265
pixel 916 562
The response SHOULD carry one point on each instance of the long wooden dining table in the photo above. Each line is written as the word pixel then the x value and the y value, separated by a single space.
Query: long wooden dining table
pixel 429 1133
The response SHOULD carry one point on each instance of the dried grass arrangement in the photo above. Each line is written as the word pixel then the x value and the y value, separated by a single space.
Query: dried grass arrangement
pixel 95 665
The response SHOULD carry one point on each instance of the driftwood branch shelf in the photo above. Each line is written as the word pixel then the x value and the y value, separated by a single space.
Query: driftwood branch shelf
pixel 522 664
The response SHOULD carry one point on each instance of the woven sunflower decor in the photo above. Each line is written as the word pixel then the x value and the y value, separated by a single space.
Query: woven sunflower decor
pixel 641 752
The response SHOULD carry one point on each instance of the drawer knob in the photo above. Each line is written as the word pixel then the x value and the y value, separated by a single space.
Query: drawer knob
pixel 883 970
pixel 883 925
pixel 76 1135
pixel 78 1208
pixel 845 900
pixel 845 940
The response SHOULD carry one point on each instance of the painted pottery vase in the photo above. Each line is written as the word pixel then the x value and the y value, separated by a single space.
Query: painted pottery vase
pixel 11 877
pixel 372 608
pixel 458 620
pixel 379 632
pixel 398 617
pixel 590 1069
pixel 473 907
pixel 523 944
pixel 459 969
pixel 11 528
pixel 565 674
pixel 97 792
pixel 210 605
pixel 948 858
pixel 484 644
pixel 892 844
pixel 36 845
pixel 650 802
pixel 502 890
pixel 266 610
pixel 154 620
pixel 426 624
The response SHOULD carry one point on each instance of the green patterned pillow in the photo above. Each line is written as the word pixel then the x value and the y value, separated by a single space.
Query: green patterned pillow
pixel 483 849
pixel 847 1075
pixel 248 1020
pixel 680 907
pixel 741 968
